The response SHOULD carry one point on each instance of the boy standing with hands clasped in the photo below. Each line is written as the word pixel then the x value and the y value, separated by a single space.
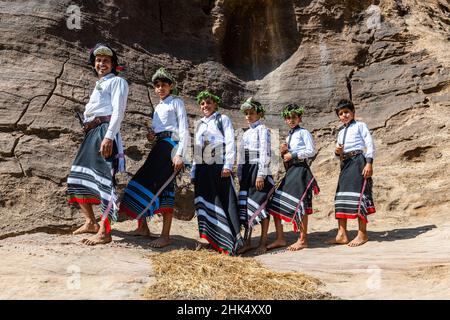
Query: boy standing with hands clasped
pixel 353 198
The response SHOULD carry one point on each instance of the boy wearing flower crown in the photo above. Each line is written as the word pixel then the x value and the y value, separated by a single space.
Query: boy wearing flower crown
pixel 254 175
pixel 292 200
pixel 151 191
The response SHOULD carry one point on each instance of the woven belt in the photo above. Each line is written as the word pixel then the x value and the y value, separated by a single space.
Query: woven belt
pixel 95 123
pixel 295 161
pixel 351 154
pixel 163 135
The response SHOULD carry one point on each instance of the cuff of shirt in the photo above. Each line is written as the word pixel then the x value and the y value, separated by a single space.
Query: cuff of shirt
pixel 228 166
pixel 294 155
pixel 109 135
pixel 369 160
pixel 179 153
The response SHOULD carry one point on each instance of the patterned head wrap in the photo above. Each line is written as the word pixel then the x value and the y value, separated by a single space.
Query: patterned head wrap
pixel 105 50
pixel 163 75
pixel 291 109
pixel 205 94
pixel 250 103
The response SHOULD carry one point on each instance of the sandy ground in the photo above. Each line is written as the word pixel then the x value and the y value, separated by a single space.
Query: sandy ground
pixel 400 262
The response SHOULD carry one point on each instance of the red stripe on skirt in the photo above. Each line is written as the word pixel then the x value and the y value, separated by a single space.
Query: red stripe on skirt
pixel 164 211
pixel 128 212
pixel 213 244
pixel 342 215
pixel 84 200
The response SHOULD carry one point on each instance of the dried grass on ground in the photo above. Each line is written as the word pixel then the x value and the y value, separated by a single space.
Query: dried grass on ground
pixel 186 274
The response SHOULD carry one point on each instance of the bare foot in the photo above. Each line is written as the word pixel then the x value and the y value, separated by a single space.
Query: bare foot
pixel 245 248
pixel 358 241
pixel 142 230
pixel 299 245
pixel 87 228
pixel 160 242
pixel 340 239
pixel 261 249
pixel 101 238
pixel 277 244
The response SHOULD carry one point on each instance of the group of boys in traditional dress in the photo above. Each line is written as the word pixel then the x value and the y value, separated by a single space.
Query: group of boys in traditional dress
pixel 222 211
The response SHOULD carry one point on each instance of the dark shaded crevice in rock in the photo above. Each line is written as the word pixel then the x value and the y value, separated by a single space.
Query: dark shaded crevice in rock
pixel 416 153
pixel 48 134
pixel 24 111
pixel 20 164
pixel 134 153
pixel 259 36
pixel 441 87
pixel 349 84
pixel 402 9
pixel 207 6
pixel 161 24
pixel 148 90
pixel 55 84
pixel 13 150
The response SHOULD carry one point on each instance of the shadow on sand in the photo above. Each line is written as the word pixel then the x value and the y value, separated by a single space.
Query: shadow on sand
pixel 316 239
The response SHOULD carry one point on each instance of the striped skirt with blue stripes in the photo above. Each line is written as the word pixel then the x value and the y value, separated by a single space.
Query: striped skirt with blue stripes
pixel 140 191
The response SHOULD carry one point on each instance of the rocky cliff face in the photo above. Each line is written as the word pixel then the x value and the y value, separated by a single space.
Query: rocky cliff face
pixel 391 57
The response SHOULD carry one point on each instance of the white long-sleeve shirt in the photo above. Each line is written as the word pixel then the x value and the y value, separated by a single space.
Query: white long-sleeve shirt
pixel 207 130
pixel 109 98
pixel 301 143
pixel 170 115
pixel 257 140
pixel 357 137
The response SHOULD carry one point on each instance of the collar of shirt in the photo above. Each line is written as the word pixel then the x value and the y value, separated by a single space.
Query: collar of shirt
pixel 211 117
pixel 349 124
pixel 108 76
pixel 294 129
pixel 167 99
pixel 255 124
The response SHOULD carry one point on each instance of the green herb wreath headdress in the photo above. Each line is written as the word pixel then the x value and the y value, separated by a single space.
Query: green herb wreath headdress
pixel 291 109
pixel 205 94
pixel 163 75
pixel 250 103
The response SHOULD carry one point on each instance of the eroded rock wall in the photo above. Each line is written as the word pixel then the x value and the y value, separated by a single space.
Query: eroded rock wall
pixel 390 57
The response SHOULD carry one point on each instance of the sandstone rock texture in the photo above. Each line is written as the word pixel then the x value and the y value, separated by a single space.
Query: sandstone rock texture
pixel 391 57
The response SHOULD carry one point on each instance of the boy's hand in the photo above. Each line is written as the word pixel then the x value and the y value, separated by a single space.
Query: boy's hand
pixel 226 173
pixel 284 148
pixel 287 157
pixel 339 149
pixel 106 148
pixel 177 162
pixel 367 171
pixel 151 136
pixel 259 183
